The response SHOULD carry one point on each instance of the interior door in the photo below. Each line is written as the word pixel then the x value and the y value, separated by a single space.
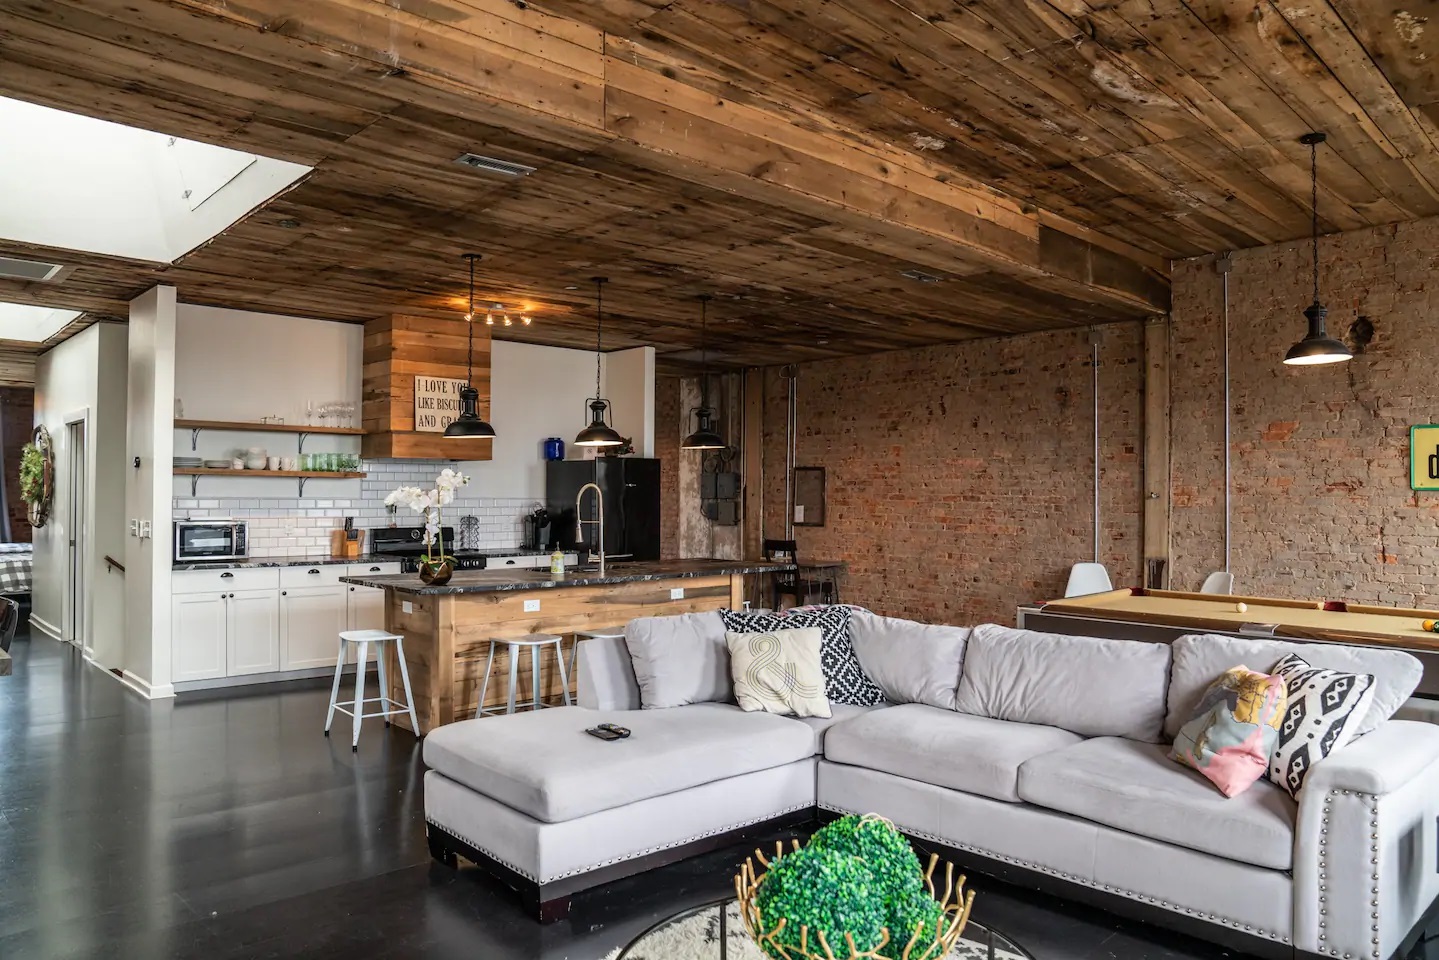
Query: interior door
pixel 197 644
pixel 252 632
pixel 311 619
pixel 76 629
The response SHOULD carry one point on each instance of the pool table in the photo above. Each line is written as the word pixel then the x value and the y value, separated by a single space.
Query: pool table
pixel 1164 615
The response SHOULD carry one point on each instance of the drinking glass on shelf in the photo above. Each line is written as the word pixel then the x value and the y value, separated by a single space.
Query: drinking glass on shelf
pixel 304 464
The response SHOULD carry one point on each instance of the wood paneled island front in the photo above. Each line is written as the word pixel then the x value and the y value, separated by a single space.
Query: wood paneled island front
pixel 447 629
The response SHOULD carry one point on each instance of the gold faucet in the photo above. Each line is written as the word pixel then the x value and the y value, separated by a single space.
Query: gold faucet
pixel 580 524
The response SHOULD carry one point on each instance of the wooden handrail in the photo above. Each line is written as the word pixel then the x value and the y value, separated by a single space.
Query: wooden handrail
pixel 112 563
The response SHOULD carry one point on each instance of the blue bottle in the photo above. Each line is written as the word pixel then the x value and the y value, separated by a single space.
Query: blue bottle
pixel 554 448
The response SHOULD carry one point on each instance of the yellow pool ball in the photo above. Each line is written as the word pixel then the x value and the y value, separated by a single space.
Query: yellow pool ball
pixel 1429 625
pixel 1242 607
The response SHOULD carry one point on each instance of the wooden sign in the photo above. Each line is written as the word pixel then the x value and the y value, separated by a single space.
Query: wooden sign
pixel 1424 457
pixel 437 403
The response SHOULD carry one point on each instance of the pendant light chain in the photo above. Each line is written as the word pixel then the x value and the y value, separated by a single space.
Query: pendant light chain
pixel 1314 212
pixel 704 353
pixel 470 319
pixel 599 326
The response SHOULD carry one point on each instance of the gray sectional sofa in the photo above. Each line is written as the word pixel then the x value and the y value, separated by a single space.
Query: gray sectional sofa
pixel 1034 757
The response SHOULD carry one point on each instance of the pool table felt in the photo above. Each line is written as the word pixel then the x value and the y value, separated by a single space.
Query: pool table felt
pixel 1302 619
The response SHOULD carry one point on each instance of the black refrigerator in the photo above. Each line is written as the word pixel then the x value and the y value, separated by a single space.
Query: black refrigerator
pixel 631 487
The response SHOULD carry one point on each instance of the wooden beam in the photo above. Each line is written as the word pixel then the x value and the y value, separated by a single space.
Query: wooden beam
pixel 1157 498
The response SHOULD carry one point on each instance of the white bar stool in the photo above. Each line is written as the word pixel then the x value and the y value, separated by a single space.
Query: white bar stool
pixel 356 707
pixel 536 642
pixel 608 633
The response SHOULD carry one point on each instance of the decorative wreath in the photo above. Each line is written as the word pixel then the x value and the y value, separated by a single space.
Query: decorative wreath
pixel 37 476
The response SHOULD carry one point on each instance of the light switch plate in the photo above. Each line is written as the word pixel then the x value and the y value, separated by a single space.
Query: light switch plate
pixel 407 607
pixel 677 593
pixel 532 606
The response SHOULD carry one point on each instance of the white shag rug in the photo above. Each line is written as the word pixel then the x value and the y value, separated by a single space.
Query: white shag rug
pixel 697 938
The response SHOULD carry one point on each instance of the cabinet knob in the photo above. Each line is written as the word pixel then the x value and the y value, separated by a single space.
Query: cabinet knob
pixel 284 593
pixel 226 575
pixel 374 569
pixel 352 589
pixel 312 570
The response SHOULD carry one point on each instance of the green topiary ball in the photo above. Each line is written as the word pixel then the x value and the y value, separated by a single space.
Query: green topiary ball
pixel 917 908
pixel 883 849
pixel 823 890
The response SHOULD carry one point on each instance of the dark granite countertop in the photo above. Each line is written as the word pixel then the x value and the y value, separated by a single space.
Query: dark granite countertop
pixel 289 560
pixel 490 581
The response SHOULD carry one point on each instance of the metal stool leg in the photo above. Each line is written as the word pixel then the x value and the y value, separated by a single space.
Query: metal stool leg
pixel 535 703
pixel 564 674
pixel 405 679
pixel 574 655
pixel 335 688
pixel 381 652
pixel 485 683
pixel 514 675
pixel 359 704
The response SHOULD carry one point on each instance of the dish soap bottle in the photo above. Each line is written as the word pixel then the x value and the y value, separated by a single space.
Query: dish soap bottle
pixel 557 564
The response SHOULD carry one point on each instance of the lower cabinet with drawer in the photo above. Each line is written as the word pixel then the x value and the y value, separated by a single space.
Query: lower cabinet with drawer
pixel 251 621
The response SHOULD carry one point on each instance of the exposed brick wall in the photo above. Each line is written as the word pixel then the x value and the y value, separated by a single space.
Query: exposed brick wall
pixel 959 477
pixel 17 406
pixel 1321 498
pixel 667 449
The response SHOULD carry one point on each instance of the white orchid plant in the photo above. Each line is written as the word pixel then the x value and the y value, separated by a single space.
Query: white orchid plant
pixel 429 503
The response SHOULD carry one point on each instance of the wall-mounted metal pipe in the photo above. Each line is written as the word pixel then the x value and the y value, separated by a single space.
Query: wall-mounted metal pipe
pixel 1094 379
pixel 1224 264
pixel 791 428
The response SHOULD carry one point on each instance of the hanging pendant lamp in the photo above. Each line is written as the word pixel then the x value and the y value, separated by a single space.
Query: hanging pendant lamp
pixel 468 424
pixel 1317 346
pixel 599 433
pixel 706 437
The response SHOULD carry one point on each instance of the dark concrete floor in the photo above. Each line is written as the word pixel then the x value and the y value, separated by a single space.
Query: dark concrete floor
pixel 227 826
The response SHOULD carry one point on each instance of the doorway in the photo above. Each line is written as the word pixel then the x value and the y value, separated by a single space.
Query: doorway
pixel 77 450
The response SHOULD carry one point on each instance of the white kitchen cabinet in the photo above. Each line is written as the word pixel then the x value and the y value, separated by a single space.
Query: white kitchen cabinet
pixel 252 639
pixel 367 604
pixel 311 619
pixel 198 641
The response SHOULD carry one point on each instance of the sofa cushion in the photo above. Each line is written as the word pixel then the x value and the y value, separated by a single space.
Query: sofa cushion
pixel 911 662
pixel 844 678
pixel 1133 787
pixel 680 659
pixel 1093 687
pixel 839 712
pixel 974 754
pixel 545 765
pixel 1199 658
pixel 778 672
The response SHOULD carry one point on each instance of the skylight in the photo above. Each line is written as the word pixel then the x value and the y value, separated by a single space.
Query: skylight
pixel 77 183
pixel 20 321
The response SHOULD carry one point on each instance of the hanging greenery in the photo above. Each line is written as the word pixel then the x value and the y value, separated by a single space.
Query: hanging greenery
pixel 37 476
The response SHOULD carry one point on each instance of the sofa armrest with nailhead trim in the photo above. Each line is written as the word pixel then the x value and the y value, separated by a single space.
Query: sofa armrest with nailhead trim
pixel 1364 845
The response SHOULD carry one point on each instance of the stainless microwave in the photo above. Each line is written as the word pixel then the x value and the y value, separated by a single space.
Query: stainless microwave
pixel 211 540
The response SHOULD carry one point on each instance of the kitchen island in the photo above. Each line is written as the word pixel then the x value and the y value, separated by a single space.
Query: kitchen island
pixel 447 629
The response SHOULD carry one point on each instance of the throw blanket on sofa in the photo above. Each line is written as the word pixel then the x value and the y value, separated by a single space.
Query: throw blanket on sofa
pixel 16 563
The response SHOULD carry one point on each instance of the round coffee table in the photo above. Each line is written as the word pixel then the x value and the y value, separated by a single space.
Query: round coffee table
pixel 714 931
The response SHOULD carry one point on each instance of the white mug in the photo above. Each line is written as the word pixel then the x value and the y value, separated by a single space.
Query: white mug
pixel 272 463
pixel 287 463
pixel 237 464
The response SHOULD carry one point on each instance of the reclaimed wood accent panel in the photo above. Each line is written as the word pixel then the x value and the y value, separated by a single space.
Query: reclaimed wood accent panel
pixel 399 348
pixel 447 638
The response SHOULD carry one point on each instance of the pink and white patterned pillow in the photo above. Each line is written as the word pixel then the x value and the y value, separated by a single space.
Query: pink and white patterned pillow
pixel 1233 733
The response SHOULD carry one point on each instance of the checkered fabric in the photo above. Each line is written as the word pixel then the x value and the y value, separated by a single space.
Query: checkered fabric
pixel 15 567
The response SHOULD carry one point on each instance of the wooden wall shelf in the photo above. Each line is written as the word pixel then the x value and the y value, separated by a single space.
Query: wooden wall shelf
pixel 195 473
pixel 246 426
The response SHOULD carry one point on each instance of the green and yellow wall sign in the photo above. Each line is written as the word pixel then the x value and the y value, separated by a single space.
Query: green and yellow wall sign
pixel 1424 457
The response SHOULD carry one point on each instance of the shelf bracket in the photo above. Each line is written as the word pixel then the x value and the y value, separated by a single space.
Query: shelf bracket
pixel 303 437
pixel 194 439
pixel 302 479
pixel 194 482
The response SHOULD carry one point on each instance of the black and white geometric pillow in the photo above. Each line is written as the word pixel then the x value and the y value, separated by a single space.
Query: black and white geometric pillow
pixel 1325 708
pixel 844 679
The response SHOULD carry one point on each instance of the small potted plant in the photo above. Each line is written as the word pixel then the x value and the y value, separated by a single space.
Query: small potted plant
pixel 436 566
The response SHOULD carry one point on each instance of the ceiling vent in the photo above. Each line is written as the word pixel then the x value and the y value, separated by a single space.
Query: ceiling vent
pixel 919 275
pixel 14 268
pixel 491 165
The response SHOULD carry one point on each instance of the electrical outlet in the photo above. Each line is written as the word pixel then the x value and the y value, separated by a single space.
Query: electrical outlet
pixel 406 606
pixel 146 531
pixel 134 528
pixel 677 593
pixel 532 606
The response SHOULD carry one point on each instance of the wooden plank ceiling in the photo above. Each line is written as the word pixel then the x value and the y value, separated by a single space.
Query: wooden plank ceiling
pixel 1040 160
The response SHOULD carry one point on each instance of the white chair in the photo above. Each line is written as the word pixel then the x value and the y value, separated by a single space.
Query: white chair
pixel 356 707
pixel 1086 578
pixel 535 642
pixel 1221 581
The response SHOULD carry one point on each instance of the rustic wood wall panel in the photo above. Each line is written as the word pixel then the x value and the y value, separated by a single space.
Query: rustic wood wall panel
pixel 397 350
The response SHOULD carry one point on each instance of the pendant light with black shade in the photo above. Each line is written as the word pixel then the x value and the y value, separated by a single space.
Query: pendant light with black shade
pixel 468 424
pixel 599 433
pixel 705 437
pixel 1317 346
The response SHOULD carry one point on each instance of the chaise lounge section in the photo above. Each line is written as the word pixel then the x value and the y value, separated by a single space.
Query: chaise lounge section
pixel 1051 769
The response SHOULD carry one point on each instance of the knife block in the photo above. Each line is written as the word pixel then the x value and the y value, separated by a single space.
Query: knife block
pixel 343 546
